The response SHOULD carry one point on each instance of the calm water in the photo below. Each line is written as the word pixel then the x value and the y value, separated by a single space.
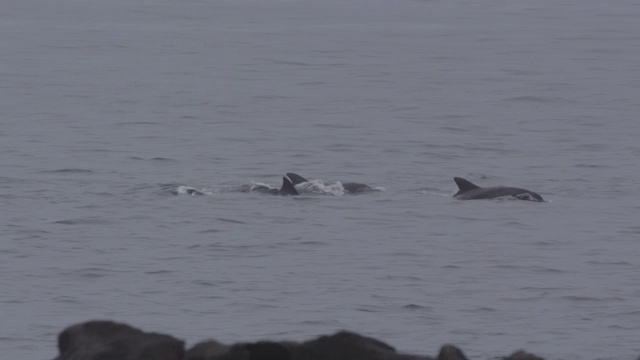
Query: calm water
pixel 108 106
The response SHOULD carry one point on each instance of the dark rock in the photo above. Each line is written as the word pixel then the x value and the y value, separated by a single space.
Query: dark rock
pixel 348 346
pixel 521 355
pixel 266 350
pixel 263 350
pixel 450 352
pixel 343 346
pixel 107 340
pixel 206 350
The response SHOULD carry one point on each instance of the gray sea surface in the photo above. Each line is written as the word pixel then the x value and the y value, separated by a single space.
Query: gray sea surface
pixel 108 108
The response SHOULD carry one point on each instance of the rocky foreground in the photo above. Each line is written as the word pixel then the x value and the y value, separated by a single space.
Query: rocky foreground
pixel 107 340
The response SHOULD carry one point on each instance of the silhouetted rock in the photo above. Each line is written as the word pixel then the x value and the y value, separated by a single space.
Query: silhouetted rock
pixel 263 350
pixel 207 350
pixel 348 346
pixel 450 352
pixel 107 340
pixel 521 355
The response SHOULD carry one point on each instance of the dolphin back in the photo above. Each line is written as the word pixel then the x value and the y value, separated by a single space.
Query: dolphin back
pixel 464 185
pixel 287 188
pixel 470 191
pixel 296 179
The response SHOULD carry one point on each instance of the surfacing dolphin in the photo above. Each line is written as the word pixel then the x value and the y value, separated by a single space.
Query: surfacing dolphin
pixel 471 191
pixel 287 188
pixel 350 187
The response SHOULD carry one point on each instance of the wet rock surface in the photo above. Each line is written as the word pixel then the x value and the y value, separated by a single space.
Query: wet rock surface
pixel 108 340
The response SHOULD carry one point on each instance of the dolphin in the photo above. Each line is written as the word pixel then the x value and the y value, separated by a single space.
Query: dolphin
pixel 350 187
pixel 471 191
pixel 287 188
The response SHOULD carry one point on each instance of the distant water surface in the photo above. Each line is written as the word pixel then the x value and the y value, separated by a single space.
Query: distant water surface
pixel 108 107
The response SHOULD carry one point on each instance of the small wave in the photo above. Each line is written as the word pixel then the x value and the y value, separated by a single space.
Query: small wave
pixel 70 171
pixel 576 298
pixel 135 123
pixel 152 159
pixel 591 166
pixel 81 221
pixel 94 273
pixel 369 309
pixel 609 263
pixel 203 283
pixel 231 221
pixel 435 193
pixel 209 231
pixel 158 272
pixel 537 99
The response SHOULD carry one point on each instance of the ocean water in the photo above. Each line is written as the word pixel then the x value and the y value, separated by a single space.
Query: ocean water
pixel 108 107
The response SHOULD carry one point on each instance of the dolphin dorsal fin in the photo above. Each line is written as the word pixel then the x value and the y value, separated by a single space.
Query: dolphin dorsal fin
pixel 296 179
pixel 464 185
pixel 287 187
